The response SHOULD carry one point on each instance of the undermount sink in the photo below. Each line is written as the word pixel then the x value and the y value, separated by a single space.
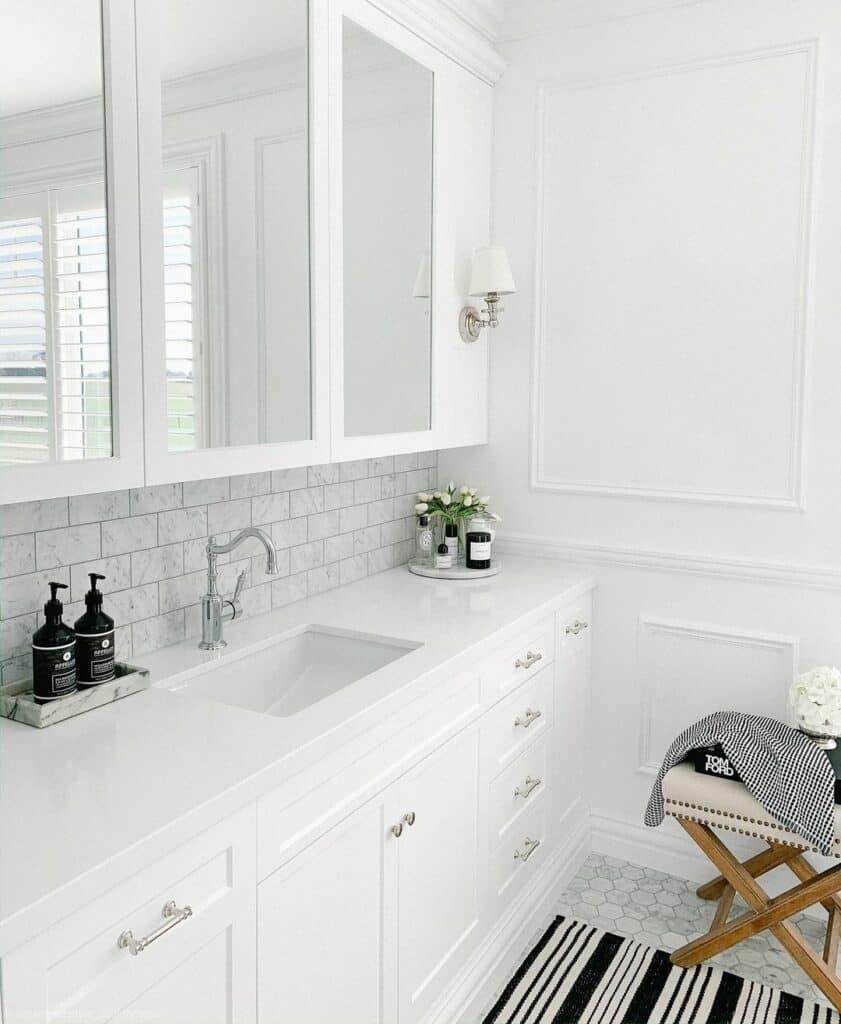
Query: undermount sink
pixel 289 674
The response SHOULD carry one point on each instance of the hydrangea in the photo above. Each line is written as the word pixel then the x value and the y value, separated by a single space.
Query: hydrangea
pixel 815 698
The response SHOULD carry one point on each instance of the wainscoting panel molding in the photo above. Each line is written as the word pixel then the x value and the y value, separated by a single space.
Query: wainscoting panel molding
pixel 813 577
pixel 686 670
pixel 698 401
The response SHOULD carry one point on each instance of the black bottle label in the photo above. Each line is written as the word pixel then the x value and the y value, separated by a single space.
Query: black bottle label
pixel 94 658
pixel 53 671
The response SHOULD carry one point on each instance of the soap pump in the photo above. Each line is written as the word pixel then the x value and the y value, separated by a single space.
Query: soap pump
pixel 53 653
pixel 94 639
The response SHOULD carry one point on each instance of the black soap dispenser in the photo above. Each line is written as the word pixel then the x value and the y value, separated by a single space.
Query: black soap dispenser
pixel 94 640
pixel 53 653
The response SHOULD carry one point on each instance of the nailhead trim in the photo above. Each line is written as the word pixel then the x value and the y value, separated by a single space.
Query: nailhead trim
pixel 733 828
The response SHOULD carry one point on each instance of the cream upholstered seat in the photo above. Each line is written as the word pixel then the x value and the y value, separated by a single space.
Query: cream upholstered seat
pixel 722 803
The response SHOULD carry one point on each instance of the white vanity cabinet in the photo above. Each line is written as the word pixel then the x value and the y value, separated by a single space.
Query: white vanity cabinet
pixel 392 877
pixel 200 969
pixel 372 920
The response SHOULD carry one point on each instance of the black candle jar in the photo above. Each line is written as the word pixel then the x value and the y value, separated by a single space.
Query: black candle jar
pixel 478 549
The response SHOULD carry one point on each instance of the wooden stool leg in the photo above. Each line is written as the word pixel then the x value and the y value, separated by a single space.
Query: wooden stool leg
pixel 763 913
pixel 833 933
pixel 755 866
pixel 725 903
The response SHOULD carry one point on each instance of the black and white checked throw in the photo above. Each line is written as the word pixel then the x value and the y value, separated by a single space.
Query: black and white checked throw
pixel 782 768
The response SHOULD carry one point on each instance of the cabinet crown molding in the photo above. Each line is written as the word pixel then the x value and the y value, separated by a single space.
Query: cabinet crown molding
pixel 463 30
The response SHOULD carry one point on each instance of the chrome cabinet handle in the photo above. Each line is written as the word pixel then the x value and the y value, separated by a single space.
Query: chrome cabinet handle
pixel 528 787
pixel 574 628
pixel 526 720
pixel 409 818
pixel 172 915
pixel 397 830
pixel 529 846
pixel 529 660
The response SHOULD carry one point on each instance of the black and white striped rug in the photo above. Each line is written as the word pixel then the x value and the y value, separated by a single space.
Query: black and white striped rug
pixel 580 973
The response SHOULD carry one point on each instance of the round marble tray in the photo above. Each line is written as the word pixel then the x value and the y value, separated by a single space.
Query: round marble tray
pixel 459 572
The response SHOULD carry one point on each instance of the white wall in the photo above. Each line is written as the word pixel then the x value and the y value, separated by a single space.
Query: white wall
pixel 665 384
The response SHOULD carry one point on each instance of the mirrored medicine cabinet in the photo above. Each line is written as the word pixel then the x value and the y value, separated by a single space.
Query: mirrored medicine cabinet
pixel 221 245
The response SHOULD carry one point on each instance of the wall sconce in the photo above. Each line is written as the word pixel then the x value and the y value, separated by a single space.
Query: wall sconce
pixel 491 278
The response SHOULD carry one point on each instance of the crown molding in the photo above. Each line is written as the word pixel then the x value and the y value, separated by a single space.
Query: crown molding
pixel 812 577
pixel 463 30
pixel 524 18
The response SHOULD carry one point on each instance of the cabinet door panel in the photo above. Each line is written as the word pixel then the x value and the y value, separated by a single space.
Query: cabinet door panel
pixel 196 992
pixel 199 971
pixel 438 868
pixel 320 929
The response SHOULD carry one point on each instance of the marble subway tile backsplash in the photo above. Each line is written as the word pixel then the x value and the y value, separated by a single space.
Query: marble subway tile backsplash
pixel 332 525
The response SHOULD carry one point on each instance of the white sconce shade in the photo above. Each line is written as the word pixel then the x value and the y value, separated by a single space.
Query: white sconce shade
pixel 422 288
pixel 491 272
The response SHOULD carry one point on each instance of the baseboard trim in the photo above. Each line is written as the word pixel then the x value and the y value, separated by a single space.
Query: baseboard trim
pixel 813 577
pixel 502 949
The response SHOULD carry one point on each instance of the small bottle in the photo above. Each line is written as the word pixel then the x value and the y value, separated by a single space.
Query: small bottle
pixel 53 653
pixel 443 558
pixel 423 541
pixel 451 540
pixel 478 543
pixel 94 640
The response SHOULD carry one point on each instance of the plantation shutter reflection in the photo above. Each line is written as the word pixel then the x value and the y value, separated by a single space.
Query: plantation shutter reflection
pixel 25 434
pixel 82 338
pixel 182 309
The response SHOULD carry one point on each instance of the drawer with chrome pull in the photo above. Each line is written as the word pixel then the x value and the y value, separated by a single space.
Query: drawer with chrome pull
pixel 518 788
pixel 513 664
pixel 100 959
pixel 521 852
pixel 575 625
pixel 518 721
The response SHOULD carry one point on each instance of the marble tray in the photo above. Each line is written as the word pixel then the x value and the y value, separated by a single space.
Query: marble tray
pixel 18 704
pixel 458 572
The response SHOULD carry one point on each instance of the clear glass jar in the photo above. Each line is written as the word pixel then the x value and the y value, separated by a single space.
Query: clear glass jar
pixel 424 543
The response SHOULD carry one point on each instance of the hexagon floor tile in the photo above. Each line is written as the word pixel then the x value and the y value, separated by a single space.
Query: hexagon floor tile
pixel 663 911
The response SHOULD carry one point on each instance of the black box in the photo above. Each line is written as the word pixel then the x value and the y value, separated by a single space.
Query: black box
pixel 713 761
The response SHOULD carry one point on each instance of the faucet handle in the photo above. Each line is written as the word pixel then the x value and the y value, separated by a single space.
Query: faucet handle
pixel 239 585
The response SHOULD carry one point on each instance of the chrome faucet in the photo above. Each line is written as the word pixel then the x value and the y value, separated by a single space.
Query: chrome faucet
pixel 214 608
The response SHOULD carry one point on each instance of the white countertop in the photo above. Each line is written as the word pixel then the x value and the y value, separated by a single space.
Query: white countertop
pixel 82 799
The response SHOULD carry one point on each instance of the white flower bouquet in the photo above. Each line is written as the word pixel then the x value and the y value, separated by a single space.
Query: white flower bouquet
pixel 454 504
pixel 815 699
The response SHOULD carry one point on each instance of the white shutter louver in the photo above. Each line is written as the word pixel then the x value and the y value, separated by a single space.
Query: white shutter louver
pixel 25 434
pixel 181 376
pixel 83 348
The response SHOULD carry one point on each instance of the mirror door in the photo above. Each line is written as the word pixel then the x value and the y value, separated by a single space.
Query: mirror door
pixel 383 150
pixel 229 94
pixel 69 339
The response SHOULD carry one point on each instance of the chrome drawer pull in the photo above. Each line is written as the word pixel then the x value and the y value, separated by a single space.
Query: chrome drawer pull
pixel 409 818
pixel 574 628
pixel 526 720
pixel 172 916
pixel 397 830
pixel 529 846
pixel 527 787
pixel 529 660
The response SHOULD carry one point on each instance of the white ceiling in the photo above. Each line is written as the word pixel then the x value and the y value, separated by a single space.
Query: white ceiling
pixel 50 50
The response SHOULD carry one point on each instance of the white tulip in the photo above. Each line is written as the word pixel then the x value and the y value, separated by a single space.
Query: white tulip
pixel 437 494
pixel 423 496
pixel 451 486
pixel 421 507
pixel 468 501
pixel 445 500
pixel 473 491
pixel 464 490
